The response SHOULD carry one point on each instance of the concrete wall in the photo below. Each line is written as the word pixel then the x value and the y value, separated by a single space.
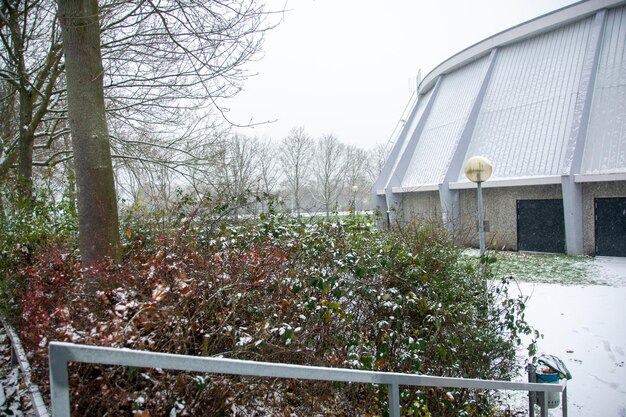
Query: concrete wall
pixel 423 205
pixel 500 213
pixel 501 210
pixel 592 190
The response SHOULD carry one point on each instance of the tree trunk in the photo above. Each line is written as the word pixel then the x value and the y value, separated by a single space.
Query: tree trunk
pixel 71 181
pixel 97 203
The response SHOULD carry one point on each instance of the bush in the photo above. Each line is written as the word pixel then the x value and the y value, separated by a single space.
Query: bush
pixel 329 293
pixel 28 228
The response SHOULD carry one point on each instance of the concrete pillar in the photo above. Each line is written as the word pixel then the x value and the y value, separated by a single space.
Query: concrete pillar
pixel 572 192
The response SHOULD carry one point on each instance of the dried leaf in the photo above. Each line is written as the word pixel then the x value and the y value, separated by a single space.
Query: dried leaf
pixel 160 292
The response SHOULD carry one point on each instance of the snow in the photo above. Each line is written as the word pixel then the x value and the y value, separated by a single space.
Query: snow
pixel 611 270
pixel 11 392
pixel 584 326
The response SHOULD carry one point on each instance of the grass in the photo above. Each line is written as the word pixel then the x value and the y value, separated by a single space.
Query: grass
pixel 544 268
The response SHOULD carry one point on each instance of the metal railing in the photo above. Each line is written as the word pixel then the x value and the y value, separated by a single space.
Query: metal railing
pixel 62 353
pixel 19 358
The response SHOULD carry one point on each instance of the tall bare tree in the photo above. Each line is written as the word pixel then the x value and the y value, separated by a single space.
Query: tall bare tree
pixel 30 66
pixel 295 156
pixel 376 161
pixel 356 176
pixel 269 174
pixel 163 61
pixel 172 54
pixel 97 203
pixel 239 172
pixel 329 170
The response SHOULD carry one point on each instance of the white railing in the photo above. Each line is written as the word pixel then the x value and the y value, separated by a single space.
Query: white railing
pixel 62 353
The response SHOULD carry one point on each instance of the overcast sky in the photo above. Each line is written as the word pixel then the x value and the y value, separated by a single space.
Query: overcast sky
pixel 348 67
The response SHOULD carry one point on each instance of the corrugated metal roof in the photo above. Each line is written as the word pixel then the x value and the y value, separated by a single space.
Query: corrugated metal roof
pixel 605 148
pixel 442 130
pixel 410 130
pixel 526 116
pixel 553 105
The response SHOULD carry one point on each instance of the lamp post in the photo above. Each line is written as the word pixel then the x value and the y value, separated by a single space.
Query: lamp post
pixel 354 191
pixel 478 170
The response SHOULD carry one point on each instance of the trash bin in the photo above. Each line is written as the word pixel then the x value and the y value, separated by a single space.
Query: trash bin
pixel 550 371
pixel 547 375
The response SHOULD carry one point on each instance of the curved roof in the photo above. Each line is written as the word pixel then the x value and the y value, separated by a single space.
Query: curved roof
pixel 542 100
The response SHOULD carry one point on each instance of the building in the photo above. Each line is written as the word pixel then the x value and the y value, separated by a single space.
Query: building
pixel 545 102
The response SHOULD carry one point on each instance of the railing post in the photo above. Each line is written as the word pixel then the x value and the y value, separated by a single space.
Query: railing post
pixel 59 381
pixel 532 395
pixel 394 400
pixel 543 403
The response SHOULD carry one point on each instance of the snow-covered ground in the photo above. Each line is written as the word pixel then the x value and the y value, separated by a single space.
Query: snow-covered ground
pixel 586 327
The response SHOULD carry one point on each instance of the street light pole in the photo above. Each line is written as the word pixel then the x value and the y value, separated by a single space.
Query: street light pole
pixel 478 170
pixel 481 219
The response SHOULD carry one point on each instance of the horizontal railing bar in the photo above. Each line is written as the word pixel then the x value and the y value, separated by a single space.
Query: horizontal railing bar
pixel 70 352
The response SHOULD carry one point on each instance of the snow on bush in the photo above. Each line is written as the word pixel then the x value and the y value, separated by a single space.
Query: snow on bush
pixel 329 293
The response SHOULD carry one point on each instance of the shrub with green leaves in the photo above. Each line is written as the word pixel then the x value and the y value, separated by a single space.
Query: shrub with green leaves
pixel 335 293
pixel 28 228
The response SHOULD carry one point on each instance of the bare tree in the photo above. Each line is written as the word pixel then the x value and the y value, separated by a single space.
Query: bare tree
pixel 377 158
pixel 172 54
pixel 330 172
pixel 356 175
pixel 239 171
pixel 97 203
pixel 146 182
pixel 30 66
pixel 185 160
pixel 295 156
pixel 163 62
pixel 269 174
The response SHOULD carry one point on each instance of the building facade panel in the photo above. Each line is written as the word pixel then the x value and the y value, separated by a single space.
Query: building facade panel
pixel 408 131
pixel 500 213
pixel 606 153
pixel 526 115
pixel 438 140
pixel 424 206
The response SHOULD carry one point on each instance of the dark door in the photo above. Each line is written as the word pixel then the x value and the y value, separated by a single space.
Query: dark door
pixel 540 226
pixel 610 226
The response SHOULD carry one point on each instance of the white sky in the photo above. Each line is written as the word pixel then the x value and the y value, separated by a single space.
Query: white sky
pixel 347 66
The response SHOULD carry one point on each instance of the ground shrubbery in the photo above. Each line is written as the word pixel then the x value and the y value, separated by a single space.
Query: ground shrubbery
pixel 330 293
pixel 28 230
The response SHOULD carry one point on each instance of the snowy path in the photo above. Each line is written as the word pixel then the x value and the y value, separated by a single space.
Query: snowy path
pixel 585 326
pixel 12 392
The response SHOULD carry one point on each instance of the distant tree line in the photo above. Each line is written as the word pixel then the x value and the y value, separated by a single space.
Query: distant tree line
pixel 301 173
